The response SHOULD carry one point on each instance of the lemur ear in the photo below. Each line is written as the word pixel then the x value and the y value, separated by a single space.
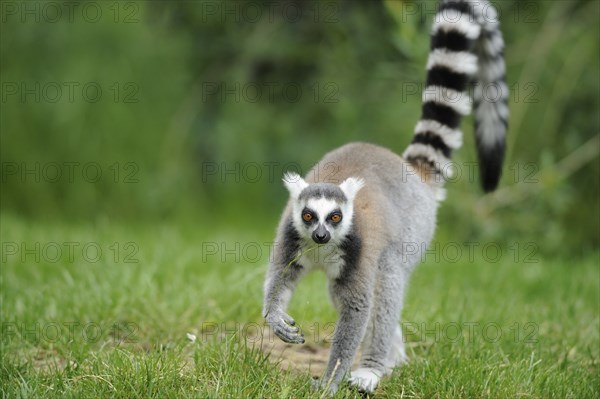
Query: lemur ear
pixel 294 183
pixel 351 186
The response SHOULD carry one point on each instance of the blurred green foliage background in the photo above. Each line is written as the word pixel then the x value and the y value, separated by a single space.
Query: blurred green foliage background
pixel 190 112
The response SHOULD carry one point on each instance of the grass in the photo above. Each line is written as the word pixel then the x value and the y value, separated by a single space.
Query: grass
pixel 81 325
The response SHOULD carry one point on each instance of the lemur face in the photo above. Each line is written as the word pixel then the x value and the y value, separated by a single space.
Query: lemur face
pixel 322 212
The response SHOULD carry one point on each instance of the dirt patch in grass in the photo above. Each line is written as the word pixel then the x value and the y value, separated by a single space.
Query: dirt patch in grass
pixel 310 357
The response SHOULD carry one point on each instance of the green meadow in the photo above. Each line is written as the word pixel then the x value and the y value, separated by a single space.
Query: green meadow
pixel 116 324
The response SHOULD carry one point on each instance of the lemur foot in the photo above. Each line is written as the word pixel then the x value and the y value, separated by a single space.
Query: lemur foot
pixel 365 379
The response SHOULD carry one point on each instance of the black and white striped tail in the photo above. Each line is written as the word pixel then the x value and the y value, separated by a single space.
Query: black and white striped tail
pixel 466 48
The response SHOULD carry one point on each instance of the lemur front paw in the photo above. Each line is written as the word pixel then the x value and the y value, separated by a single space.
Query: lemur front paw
pixel 365 379
pixel 285 327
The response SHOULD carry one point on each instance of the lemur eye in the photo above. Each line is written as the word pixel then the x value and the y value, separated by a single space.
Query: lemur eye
pixel 307 216
pixel 336 218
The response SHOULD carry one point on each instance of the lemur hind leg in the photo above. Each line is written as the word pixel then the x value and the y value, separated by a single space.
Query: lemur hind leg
pixel 383 347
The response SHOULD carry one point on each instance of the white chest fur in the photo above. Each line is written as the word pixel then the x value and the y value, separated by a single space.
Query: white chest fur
pixel 328 257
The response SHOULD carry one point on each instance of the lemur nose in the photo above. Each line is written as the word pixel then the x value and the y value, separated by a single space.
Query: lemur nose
pixel 321 237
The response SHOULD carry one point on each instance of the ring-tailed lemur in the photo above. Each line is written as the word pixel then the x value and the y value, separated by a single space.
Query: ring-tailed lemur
pixel 360 236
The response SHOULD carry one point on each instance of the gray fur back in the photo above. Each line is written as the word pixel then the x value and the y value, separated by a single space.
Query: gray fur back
pixel 396 206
